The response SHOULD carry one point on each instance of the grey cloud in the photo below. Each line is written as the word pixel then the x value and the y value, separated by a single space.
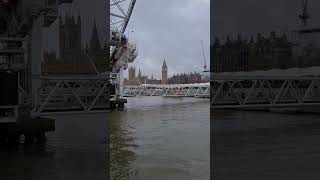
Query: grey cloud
pixel 163 29
pixel 252 16
pixel 170 30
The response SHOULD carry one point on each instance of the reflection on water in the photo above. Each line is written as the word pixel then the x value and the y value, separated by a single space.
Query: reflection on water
pixel 122 144
pixel 161 138
pixel 155 138
pixel 261 145
pixel 76 150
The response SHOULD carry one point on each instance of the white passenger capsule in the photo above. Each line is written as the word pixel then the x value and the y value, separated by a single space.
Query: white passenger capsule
pixel 117 38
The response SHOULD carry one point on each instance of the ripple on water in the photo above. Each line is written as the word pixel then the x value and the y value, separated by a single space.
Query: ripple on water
pixel 172 137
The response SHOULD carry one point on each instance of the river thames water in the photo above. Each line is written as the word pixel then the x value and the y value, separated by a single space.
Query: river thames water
pixel 155 138
pixel 162 138
pixel 169 138
pixel 262 145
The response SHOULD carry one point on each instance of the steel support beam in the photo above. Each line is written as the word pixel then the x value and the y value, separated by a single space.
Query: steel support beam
pixel 246 92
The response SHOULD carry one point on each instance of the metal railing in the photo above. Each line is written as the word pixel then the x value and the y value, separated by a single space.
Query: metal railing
pixel 242 92
pixel 77 94
pixel 175 90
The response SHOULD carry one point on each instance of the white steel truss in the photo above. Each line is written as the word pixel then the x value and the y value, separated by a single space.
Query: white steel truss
pixel 120 13
pixel 122 52
pixel 243 92
pixel 175 90
pixel 84 94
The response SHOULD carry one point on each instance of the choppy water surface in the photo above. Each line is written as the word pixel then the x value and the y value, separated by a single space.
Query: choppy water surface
pixel 168 138
pixel 161 138
pixel 156 138
pixel 76 150
pixel 261 145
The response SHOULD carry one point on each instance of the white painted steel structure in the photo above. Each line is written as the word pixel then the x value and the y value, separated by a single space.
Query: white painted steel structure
pixel 72 94
pixel 122 51
pixel 174 90
pixel 120 13
pixel 21 45
pixel 274 88
pixel 89 94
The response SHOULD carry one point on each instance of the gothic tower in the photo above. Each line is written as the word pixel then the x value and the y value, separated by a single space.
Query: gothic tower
pixel 132 73
pixel 96 51
pixel 70 43
pixel 139 74
pixel 70 36
pixel 74 59
pixel 94 41
pixel 164 73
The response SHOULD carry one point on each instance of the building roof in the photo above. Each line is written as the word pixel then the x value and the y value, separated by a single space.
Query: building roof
pixel 178 85
pixel 292 72
pixel 164 63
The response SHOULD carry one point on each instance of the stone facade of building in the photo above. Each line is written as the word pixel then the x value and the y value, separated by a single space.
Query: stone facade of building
pixel 164 73
pixel 154 81
pixel 143 79
pixel 189 78
pixel 139 79
pixel 175 79
pixel 262 53
pixel 74 59
pixel 132 73
pixel 133 79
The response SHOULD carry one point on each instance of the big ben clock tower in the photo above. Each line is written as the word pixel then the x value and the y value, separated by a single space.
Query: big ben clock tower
pixel 164 73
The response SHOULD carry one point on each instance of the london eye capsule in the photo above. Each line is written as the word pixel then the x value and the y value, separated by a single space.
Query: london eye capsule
pixel 118 38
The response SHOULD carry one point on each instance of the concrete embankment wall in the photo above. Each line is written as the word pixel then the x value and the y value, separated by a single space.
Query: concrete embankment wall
pixel 289 110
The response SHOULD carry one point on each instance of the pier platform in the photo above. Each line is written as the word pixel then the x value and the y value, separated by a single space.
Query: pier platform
pixel 117 103
pixel 32 129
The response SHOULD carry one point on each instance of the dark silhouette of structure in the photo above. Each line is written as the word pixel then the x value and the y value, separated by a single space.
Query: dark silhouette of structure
pixel 305 15
pixel 74 59
pixel 139 79
pixel 164 73
pixel 184 78
pixel 263 53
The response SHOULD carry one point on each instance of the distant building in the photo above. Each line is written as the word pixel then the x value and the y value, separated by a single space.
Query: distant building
pixel 140 79
pixel 184 78
pixel 260 54
pixel 143 79
pixel 270 53
pixel 154 81
pixel 132 73
pixel 131 77
pixel 231 56
pixel 164 73
pixel 176 79
pixel 74 59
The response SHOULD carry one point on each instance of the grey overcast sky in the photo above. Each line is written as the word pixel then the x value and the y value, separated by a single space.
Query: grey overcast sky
pixel 163 29
pixel 171 30
pixel 251 16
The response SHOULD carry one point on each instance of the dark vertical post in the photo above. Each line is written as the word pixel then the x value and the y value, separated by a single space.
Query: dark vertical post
pixel 108 72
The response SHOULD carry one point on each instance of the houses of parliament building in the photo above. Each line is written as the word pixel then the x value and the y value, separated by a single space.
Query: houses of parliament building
pixel 260 53
pixel 175 79
pixel 74 59
pixel 142 79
